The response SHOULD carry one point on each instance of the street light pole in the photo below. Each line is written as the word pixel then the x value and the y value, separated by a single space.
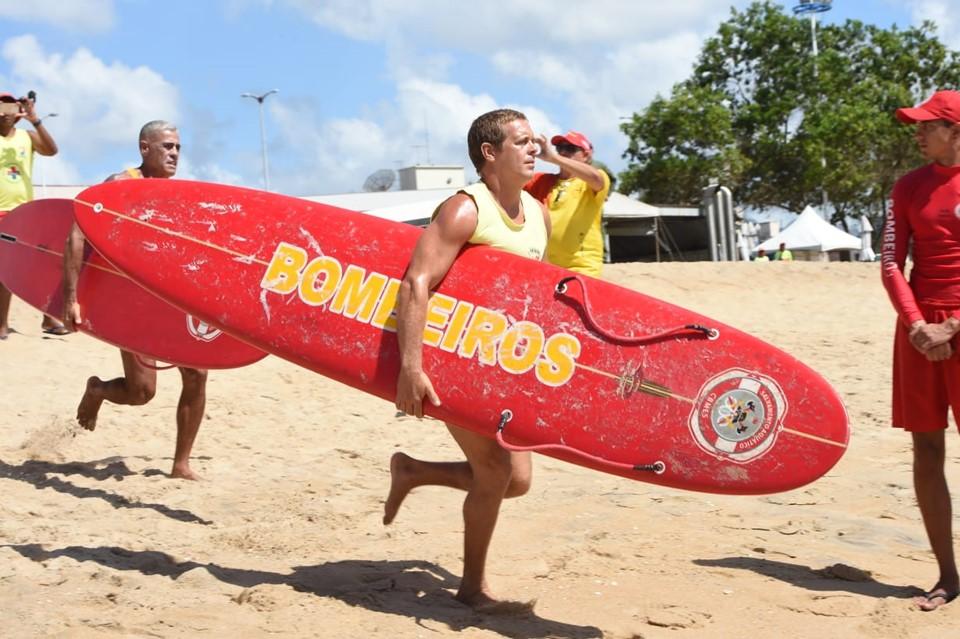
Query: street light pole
pixel 813 7
pixel 43 179
pixel 263 138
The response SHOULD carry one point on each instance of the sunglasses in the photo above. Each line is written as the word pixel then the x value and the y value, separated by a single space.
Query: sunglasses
pixel 929 125
pixel 568 148
pixel 9 108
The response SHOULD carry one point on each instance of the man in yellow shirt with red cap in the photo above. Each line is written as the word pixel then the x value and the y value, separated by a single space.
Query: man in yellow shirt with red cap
pixel 575 198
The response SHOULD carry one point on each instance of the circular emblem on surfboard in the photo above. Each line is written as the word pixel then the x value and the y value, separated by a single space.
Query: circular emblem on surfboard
pixel 201 330
pixel 738 415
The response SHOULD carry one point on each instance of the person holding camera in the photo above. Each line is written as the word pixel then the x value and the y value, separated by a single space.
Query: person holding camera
pixel 17 147
pixel 574 196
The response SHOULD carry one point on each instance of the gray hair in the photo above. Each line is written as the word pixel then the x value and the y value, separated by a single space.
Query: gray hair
pixel 156 126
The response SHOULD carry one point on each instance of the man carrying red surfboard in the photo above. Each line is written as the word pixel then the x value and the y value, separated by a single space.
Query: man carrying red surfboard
pixel 497 212
pixel 160 152
pixel 925 211
pixel 574 196
pixel 17 147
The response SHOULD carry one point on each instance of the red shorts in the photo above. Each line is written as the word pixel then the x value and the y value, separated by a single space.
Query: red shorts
pixel 923 391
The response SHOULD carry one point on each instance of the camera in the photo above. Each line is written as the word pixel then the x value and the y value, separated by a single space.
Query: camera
pixel 18 107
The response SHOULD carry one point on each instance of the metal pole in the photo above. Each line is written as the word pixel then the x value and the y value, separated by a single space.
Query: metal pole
pixel 813 31
pixel 726 211
pixel 656 237
pixel 43 174
pixel 263 149
pixel 709 209
pixel 823 158
pixel 721 225
pixel 263 135
pixel 813 7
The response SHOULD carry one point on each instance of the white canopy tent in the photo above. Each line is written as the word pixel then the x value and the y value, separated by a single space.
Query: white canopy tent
pixel 812 234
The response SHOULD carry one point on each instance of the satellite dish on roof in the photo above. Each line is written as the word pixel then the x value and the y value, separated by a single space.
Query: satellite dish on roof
pixel 380 180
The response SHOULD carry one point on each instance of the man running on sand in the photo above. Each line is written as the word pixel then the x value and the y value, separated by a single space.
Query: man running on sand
pixel 496 212
pixel 160 152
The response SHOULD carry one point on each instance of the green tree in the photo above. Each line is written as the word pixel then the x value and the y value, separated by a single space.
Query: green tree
pixel 760 115
pixel 606 169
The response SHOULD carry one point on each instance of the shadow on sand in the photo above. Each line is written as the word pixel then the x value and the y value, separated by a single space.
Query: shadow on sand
pixel 38 474
pixel 415 589
pixel 838 577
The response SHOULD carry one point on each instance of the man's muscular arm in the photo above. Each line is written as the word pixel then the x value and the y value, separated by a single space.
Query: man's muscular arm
pixel 435 252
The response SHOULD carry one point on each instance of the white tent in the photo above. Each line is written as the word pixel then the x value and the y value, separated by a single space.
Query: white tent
pixel 810 232
pixel 619 205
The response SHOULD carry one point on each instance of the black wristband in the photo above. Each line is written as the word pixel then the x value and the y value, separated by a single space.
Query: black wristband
pixel 37 123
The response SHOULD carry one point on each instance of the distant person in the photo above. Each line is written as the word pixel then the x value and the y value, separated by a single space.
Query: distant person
pixel 783 254
pixel 574 196
pixel 497 212
pixel 160 152
pixel 762 256
pixel 926 369
pixel 17 147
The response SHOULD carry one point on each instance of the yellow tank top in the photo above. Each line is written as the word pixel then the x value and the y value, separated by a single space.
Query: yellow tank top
pixel 16 168
pixel 496 229
pixel 576 241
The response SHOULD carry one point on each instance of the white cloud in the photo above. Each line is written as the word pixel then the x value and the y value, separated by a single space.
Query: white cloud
pixel 53 170
pixel 101 106
pixel 71 15
pixel 483 26
pixel 603 59
pixel 944 14
pixel 207 172
pixel 427 121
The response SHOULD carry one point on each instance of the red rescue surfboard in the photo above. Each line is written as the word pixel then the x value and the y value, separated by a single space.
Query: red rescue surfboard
pixel 585 370
pixel 114 309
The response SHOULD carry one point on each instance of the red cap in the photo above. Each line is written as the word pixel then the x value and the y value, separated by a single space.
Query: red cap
pixel 574 138
pixel 942 105
pixel 7 97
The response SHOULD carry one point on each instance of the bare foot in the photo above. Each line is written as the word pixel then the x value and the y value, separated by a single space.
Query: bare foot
pixel 400 485
pixel 183 471
pixel 5 332
pixel 90 404
pixel 937 597
pixel 483 603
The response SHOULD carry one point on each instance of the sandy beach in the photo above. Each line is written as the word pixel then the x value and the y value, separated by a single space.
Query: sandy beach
pixel 284 535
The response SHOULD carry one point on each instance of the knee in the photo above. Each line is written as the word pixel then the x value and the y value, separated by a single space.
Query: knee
pixel 929 455
pixel 493 472
pixel 928 447
pixel 519 484
pixel 141 393
pixel 194 378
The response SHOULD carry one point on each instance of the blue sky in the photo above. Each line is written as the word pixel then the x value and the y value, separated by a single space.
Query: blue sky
pixel 364 84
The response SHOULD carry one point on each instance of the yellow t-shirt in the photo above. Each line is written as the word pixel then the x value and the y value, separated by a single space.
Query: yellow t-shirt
pixel 496 229
pixel 576 241
pixel 16 168
pixel 786 255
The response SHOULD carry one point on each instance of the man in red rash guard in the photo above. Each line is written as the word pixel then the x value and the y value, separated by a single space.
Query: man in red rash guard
pixel 925 209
